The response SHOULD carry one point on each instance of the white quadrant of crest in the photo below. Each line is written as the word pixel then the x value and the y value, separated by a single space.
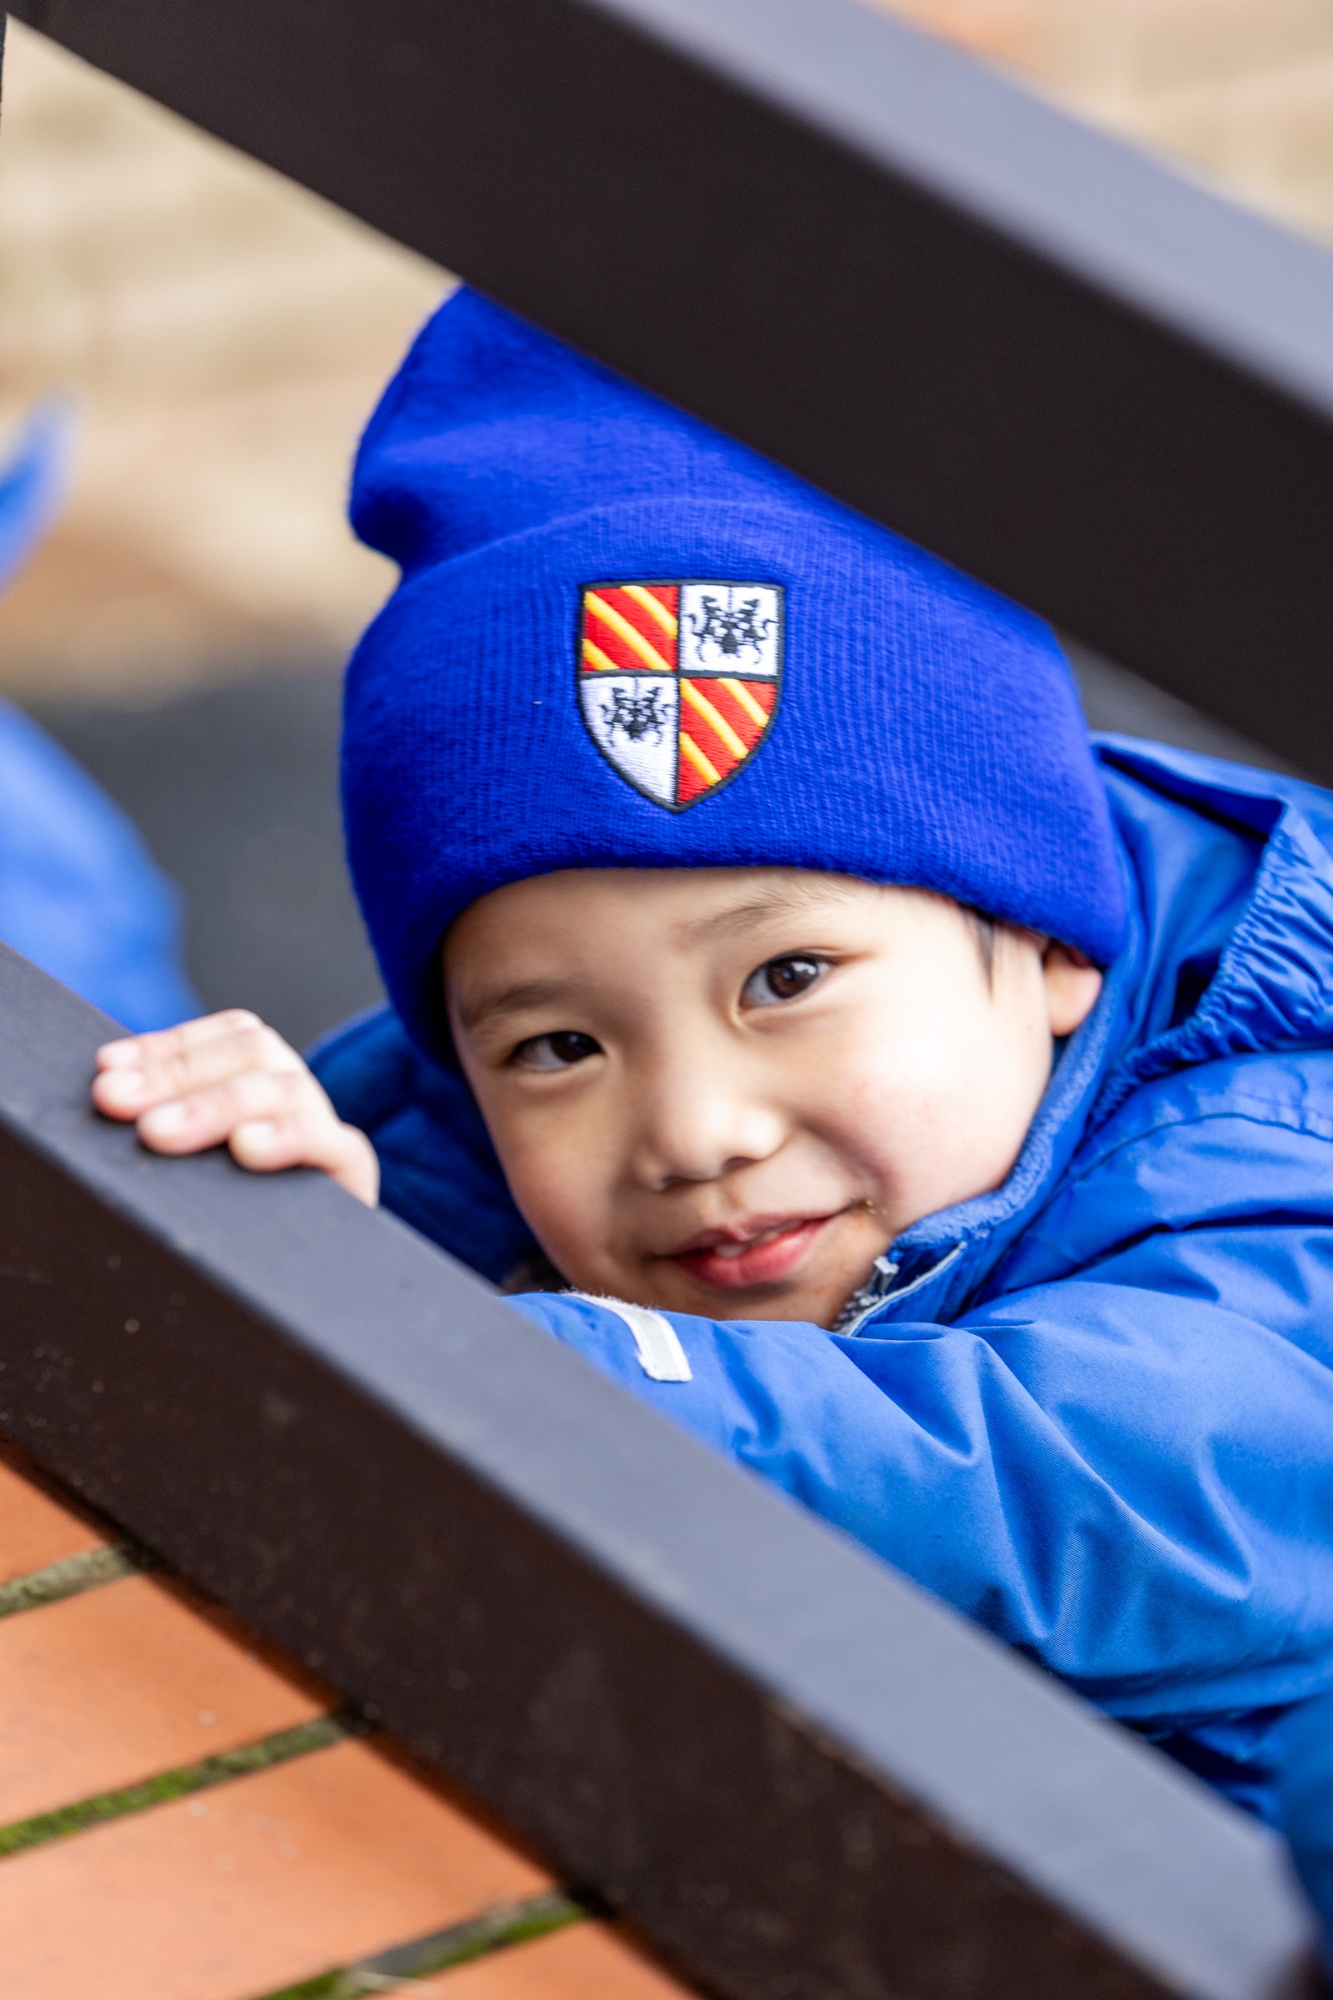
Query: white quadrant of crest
pixel 731 628
pixel 633 719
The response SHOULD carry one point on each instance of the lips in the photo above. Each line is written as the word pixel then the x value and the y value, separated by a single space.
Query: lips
pixel 757 1253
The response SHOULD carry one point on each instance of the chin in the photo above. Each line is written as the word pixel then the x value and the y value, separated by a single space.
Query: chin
pixel 818 1304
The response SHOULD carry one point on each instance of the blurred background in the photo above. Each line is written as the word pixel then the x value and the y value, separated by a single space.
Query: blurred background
pixel 224 335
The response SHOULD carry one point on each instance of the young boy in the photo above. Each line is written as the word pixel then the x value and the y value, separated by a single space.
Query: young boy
pixel 932 1118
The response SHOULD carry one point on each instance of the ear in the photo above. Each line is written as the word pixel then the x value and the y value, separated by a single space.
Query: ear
pixel 1072 985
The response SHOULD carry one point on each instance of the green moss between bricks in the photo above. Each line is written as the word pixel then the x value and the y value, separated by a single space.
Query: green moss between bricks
pixel 160 1790
pixel 88 1571
pixel 494 1929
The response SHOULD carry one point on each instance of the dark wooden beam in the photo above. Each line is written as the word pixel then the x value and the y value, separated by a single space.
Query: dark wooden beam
pixel 1010 337
pixel 802 1776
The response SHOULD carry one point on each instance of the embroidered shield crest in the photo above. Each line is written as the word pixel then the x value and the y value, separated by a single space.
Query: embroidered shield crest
pixel 679 682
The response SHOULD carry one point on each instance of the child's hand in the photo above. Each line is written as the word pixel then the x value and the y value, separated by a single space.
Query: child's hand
pixel 228 1077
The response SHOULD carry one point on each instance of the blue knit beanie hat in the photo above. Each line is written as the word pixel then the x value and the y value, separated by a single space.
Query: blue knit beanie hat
pixel 622 640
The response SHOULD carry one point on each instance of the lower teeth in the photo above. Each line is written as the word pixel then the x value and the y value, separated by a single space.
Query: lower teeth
pixel 756 1243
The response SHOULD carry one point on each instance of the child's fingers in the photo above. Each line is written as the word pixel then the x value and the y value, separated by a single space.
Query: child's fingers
pixel 132 1051
pixel 303 1137
pixel 228 1078
pixel 147 1070
pixel 200 1118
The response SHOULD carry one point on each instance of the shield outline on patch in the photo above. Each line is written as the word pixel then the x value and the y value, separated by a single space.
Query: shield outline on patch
pixel 585 677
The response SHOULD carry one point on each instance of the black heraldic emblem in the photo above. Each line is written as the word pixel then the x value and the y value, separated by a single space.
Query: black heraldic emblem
pixel 638 717
pixel 733 630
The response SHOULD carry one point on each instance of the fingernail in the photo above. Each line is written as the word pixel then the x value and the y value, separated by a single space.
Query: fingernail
pixel 122 1086
pixel 256 1135
pixel 161 1122
pixel 119 1055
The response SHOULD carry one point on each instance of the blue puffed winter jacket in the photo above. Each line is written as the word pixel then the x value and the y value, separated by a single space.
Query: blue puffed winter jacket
pixel 1095 1408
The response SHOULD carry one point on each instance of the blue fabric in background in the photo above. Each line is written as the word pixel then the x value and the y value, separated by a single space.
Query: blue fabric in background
pixel 79 893
pixel 33 482
pixel 1305 1793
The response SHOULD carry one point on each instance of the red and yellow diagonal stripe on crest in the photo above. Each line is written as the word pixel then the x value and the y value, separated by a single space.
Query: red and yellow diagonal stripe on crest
pixel 630 628
pixel 721 721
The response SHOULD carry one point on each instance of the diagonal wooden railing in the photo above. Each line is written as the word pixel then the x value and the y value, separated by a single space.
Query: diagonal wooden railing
pixel 1033 349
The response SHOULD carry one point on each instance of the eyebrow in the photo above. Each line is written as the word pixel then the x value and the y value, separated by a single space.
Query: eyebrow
pixel 515 999
pixel 789 899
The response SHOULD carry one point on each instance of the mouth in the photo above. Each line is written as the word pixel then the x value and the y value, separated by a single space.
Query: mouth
pixel 759 1252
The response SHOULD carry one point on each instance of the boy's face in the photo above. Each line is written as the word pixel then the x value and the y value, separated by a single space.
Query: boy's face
pixel 726 1091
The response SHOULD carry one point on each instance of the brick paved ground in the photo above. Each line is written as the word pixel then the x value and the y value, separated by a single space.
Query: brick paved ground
pixel 186 1815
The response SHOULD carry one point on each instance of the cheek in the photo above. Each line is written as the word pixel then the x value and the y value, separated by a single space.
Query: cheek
pixel 933 1111
pixel 896 1107
pixel 559 1175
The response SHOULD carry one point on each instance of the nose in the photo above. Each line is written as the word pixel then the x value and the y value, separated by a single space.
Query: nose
pixel 700 1115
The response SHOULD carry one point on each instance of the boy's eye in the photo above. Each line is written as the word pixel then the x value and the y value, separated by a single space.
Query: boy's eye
pixel 557 1051
pixel 782 979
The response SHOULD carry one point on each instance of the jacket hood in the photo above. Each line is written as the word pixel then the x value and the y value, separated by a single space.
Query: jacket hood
pixel 1229 952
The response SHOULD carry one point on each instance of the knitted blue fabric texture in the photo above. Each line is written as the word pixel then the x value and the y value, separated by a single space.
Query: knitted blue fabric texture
pixel 623 640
